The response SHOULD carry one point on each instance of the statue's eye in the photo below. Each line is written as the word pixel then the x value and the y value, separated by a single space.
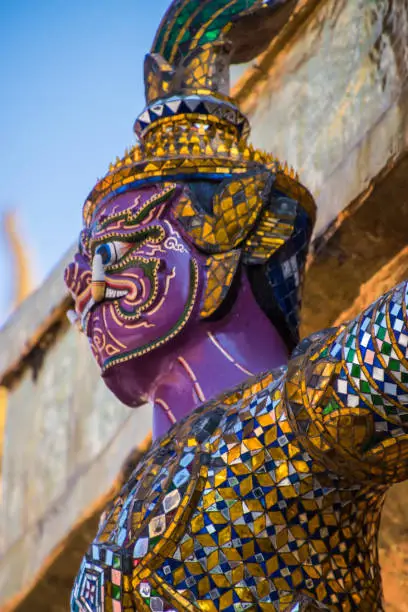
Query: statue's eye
pixel 111 252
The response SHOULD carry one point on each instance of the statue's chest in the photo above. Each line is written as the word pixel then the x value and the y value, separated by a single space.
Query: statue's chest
pixel 244 517
pixel 268 525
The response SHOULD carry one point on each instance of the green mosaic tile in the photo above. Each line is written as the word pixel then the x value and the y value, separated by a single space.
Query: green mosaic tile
pixel 356 370
pixel 215 15
pixel 386 349
pixel 332 406
pixel 350 355
pixel 381 333
pixel 364 386
pixel 116 592
pixel 394 365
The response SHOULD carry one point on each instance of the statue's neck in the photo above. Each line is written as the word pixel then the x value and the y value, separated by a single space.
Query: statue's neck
pixel 215 358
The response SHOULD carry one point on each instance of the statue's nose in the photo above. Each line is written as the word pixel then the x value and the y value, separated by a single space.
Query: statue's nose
pixel 77 275
pixel 98 278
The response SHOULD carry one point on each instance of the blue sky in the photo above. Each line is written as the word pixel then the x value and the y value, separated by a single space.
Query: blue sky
pixel 72 85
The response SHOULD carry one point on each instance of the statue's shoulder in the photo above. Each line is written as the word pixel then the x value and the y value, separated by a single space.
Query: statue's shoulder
pixel 314 343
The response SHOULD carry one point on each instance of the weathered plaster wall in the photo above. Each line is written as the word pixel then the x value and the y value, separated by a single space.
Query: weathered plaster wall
pixel 332 101
pixel 66 438
pixel 3 412
pixel 365 242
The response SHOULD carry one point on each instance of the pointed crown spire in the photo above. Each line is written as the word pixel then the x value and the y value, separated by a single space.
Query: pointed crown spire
pixel 190 126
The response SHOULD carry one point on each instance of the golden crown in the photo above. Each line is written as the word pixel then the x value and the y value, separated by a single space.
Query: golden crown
pixel 191 127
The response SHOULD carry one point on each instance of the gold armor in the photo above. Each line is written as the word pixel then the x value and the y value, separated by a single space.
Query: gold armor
pixel 271 492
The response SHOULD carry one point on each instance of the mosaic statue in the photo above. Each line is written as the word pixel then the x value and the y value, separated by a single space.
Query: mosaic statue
pixel 271 458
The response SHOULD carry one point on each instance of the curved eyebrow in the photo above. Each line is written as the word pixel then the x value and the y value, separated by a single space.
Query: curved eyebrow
pixel 130 218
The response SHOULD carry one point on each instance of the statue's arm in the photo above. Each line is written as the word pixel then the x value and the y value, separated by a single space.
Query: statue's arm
pixel 353 392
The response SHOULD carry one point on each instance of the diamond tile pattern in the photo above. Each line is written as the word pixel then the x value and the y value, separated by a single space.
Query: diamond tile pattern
pixel 188 104
pixel 269 493
pixel 278 281
pixel 220 272
pixel 273 232
pixel 236 207
pixel 201 23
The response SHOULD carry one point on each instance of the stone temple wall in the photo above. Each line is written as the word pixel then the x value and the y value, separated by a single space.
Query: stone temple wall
pixel 330 97
pixel 66 436
pixel 330 100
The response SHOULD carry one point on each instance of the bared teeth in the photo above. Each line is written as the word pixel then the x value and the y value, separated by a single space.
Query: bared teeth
pixel 114 293
pixel 72 316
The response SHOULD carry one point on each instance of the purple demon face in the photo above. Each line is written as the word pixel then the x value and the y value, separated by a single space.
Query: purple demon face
pixel 135 281
pixel 153 263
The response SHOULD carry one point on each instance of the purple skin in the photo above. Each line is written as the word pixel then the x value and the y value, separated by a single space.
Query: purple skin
pixel 185 359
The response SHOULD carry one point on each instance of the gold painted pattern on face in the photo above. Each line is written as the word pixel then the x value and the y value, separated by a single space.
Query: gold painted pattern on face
pixel 149 307
pixel 133 216
pixel 133 242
